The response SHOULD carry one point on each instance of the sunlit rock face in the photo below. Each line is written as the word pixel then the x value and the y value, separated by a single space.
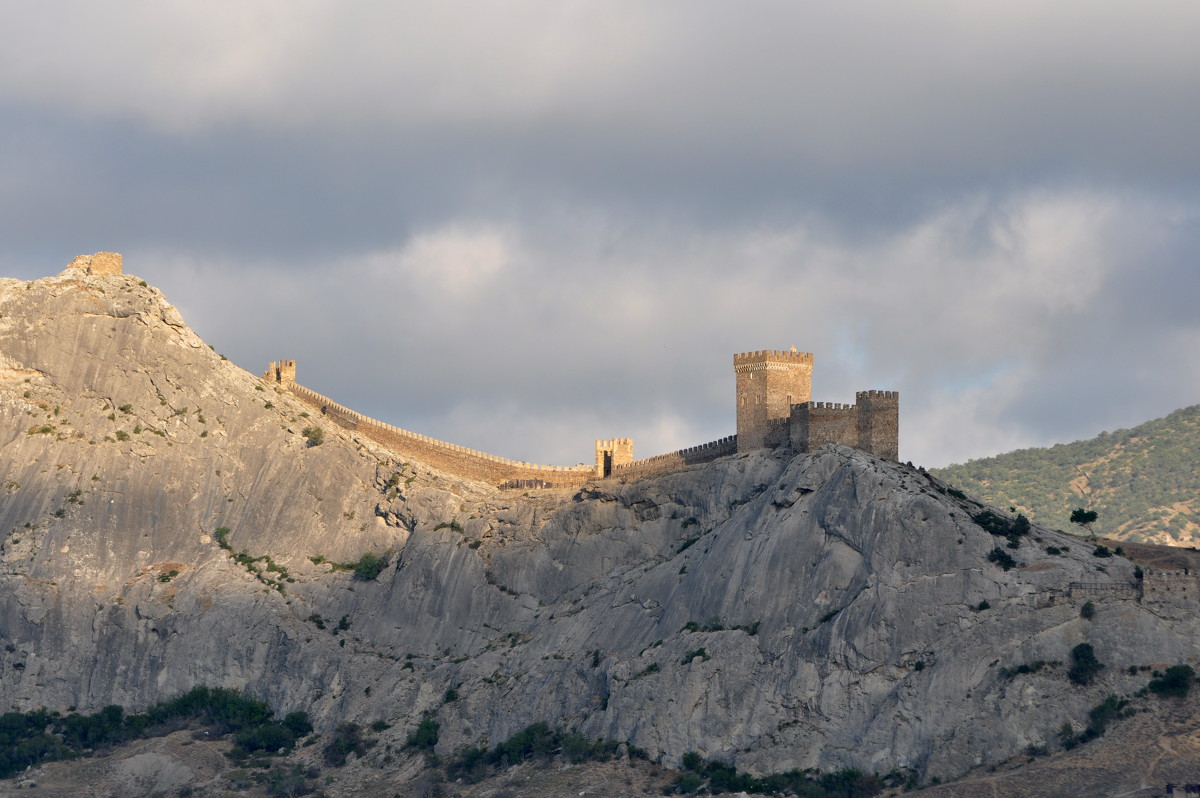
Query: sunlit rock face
pixel 167 523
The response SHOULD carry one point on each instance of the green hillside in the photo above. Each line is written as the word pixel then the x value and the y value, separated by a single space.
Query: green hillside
pixel 1143 482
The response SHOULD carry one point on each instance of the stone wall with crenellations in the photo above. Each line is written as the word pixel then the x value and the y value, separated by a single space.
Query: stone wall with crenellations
pixel 774 410
pixel 672 461
pixel 459 460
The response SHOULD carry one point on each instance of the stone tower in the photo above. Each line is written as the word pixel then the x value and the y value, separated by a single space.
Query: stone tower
pixel 879 423
pixel 283 371
pixel 611 453
pixel 769 382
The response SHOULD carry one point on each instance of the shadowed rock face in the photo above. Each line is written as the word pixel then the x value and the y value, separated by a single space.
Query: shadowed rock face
pixel 777 611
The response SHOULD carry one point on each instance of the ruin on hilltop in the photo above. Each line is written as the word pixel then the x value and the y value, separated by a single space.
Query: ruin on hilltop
pixel 774 411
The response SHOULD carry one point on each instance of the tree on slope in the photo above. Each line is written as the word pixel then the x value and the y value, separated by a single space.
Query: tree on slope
pixel 1085 518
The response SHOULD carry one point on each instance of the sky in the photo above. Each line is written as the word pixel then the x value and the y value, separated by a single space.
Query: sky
pixel 521 226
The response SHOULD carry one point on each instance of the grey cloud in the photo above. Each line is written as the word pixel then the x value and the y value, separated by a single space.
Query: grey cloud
pixel 523 226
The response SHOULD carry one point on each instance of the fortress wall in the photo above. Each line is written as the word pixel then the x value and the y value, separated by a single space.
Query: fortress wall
pixel 459 460
pixel 879 423
pixel 1160 584
pixel 815 424
pixel 662 463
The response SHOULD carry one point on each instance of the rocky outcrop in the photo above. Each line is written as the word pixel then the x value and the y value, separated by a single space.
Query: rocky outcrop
pixel 777 611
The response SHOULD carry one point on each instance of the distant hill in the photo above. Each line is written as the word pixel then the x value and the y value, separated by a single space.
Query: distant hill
pixel 1143 482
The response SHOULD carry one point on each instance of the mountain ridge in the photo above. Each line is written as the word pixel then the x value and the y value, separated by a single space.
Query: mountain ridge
pixel 839 599
pixel 1140 481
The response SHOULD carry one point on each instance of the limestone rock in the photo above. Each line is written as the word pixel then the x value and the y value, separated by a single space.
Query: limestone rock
pixel 777 611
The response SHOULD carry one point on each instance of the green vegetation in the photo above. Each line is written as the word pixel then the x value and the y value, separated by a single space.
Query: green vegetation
pixel 314 435
pixel 1085 518
pixel 1011 528
pixel 1027 667
pixel 1099 717
pixel 1085 667
pixel 653 667
pixel 347 739
pixel 1087 611
pixel 425 736
pixel 1175 682
pixel 1141 481
pixel 534 742
pixel 44 429
pixel 271 573
pixel 1002 558
pixel 714 625
pixel 453 526
pixel 369 566
pixel 39 736
pixel 717 777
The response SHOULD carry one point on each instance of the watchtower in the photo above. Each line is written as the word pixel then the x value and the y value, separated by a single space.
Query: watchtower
pixel 879 423
pixel 769 382
pixel 609 454
pixel 283 371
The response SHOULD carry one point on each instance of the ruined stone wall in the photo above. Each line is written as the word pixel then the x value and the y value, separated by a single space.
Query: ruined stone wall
pixel 662 463
pixel 769 382
pixel 98 263
pixel 459 460
pixel 1170 586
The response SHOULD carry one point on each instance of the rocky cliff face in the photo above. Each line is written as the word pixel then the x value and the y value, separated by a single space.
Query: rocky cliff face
pixel 812 611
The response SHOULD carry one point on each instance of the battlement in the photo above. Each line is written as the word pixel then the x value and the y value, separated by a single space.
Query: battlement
pixel 98 263
pixel 893 396
pixel 673 461
pixel 828 406
pixel 764 359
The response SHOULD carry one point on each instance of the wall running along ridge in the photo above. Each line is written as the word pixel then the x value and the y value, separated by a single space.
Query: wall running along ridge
pixel 773 411
pixel 459 460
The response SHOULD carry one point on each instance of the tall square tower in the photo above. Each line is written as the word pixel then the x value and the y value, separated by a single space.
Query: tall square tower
pixel 769 382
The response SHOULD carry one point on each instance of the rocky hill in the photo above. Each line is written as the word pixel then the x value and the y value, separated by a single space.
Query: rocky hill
pixel 167 523
pixel 1142 482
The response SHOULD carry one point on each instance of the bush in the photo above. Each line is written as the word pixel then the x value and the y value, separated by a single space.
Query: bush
pixel 1002 558
pixel 269 737
pixel 425 736
pixel 347 739
pixel 1087 611
pixel 369 566
pixel 1086 667
pixel 314 435
pixel 297 723
pixel 1175 682
pixel 1101 551
pixel 39 736
pixel 991 522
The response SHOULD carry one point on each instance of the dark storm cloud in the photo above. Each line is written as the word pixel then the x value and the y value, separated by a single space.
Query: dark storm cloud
pixel 521 226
